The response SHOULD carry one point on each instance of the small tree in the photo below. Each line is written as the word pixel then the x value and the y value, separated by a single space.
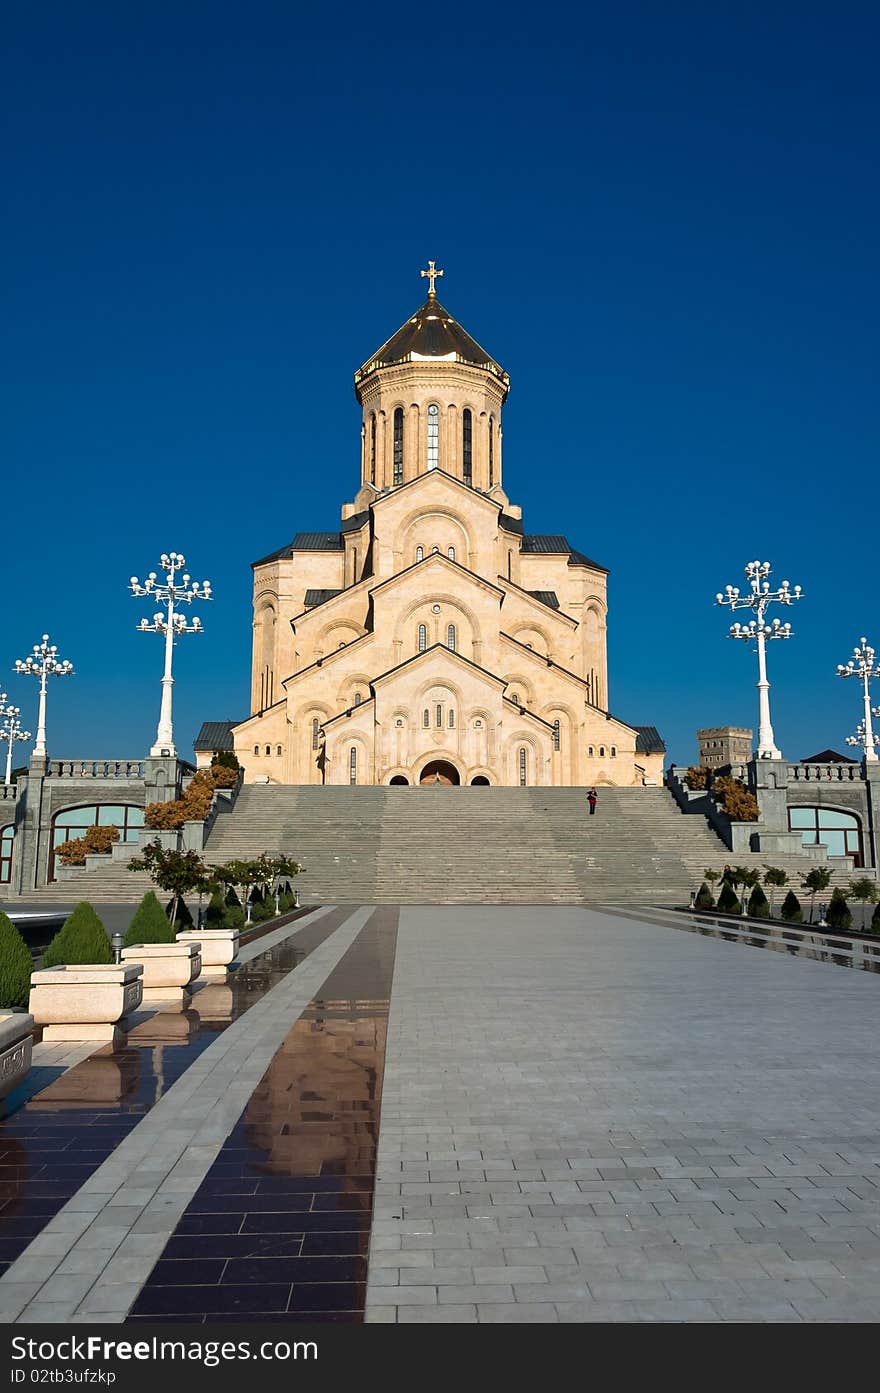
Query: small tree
pixel 737 803
pixel 149 923
pixel 819 878
pixel 704 898
pixel 180 872
pixel 791 910
pixel 747 876
pixel 16 965
pixel 243 875
pixel 184 917
pixel 863 891
pixel 728 900
pixel 839 915
pixel 710 875
pixel 225 759
pixel 759 905
pixel 697 777
pixel 82 938
pixel 776 879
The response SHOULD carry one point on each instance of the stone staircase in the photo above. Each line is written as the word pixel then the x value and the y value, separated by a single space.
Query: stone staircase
pixel 443 845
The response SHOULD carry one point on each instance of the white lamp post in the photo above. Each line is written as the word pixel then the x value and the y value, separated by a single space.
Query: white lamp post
pixel 758 597
pixel 170 592
pixel 863 665
pixel 42 663
pixel 10 729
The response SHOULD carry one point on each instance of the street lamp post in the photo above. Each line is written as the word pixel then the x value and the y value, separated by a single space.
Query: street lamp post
pixel 42 663
pixel 172 624
pixel 11 730
pixel 864 666
pixel 757 598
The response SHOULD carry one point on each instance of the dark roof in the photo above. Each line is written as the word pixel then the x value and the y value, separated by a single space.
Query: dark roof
pixel 649 741
pixel 577 558
pixel 356 521
pixel 547 597
pixel 829 757
pixel 318 541
pixel 283 553
pixel 215 735
pixel 317 597
pixel 554 544
pixel 510 524
pixel 431 333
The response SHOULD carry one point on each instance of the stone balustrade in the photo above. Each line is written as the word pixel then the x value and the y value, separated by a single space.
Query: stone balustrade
pixel 95 769
pixel 8 792
pixel 826 773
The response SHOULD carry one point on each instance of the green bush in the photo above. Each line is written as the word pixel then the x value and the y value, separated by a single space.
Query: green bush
pixel 728 900
pixel 225 759
pixel 149 924
pixel 224 911
pixel 791 910
pixel 704 898
pixel 759 905
pixel 16 965
pixel 82 938
pixel 263 910
pixel 839 915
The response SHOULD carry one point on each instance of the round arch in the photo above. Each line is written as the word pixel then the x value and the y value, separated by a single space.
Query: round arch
pixel 439 771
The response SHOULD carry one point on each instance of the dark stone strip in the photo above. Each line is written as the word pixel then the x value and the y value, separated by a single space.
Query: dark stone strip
pixel 280 1226
pixel 51 1144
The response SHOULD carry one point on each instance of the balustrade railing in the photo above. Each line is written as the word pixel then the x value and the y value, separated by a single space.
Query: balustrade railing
pixel 825 773
pixel 95 769
pixel 8 791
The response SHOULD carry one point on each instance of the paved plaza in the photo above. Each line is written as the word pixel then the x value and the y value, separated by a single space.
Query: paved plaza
pixel 585 1116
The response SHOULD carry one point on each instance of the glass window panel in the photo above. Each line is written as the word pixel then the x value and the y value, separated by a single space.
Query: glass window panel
pixel 830 817
pixel 801 817
pixel 835 842
pixel 109 814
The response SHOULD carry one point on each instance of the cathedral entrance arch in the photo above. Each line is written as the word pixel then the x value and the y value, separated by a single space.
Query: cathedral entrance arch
pixel 439 771
pixel 399 779
pixel 480 781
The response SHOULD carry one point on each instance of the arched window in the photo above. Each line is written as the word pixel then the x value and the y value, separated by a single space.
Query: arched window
pixel 433 436
pixel 556 735
pixel 590 751
pixel 398 445
pixel 7 837
pixel 514 697
pixel 278 749
pixel 450 552
pixel 467 445
pixel 71 823
pixel 491 451
pixel 614 752
pixel 434 551
pixel 420 553
pixel 839 831
pixel 268 749
pixel 450 637
pixel 256 749
pixel 439 715
pixel 373 448
pixel 510 572
pixel 423 638
pixel 357 698
pixel 451 719
pixel 354 566
pixel 315 733
pixel 601 751
pixel 522 765
pixel 426 718
pixel 353 765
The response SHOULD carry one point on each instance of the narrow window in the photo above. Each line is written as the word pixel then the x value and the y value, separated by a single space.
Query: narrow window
pixel 614 752
pixel 357 698
pixel 433 436
pixel 601 751
pixel 450 638
pixel 256 749
pixel 439 715
pixel 268 749
pixel 556 735
pixel 467 445
pixel 491 452
pixel 514 697
pixel 590 751
pixel 434 551
pixel 423 638
pixel 420 553
pixel 451 719
pixel 510 569
pixel 426 718
pixel 451 553
pixel 354 567
pixel 522 765
pixel 398 445
pixel 353 765
pixel 315 733
pixel 278 750
pixel 373 448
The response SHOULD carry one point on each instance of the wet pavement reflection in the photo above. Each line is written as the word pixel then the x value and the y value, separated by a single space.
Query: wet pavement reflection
pixel 51 1144
pixel 279 1229
pixel 862 954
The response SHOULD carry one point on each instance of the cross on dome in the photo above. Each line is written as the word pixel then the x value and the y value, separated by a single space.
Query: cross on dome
pixel 432 275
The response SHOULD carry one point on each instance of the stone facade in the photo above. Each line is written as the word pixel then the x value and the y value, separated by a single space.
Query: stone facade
pixel 431 638
pixel 719 746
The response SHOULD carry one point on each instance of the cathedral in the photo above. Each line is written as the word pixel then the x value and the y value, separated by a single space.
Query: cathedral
pixel 430 638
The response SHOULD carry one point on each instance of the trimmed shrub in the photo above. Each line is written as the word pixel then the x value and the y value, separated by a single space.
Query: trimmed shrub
pixel 737 802
pixel 96 841
pixel 875 921
pixel 262 910
pixel 839 915
pixel 82 938
pixel 223 777
pixel 215 915
pixel 697 777
pixel 791 910
pixel 184 918
pixel 728 900
pixel 225 759
pixel 759 905
pixel 16 965
pixel 704 898
pixel 149 924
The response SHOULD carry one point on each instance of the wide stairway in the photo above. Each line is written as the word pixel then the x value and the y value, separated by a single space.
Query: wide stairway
pixel 443 845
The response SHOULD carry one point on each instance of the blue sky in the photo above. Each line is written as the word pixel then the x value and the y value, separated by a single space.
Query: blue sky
pixel 660 219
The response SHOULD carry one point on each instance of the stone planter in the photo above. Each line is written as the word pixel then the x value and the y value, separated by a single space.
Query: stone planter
pixel 168 968
pixel 16 1045
pixel 214 1002
pixel 218 949
pixel 85 1001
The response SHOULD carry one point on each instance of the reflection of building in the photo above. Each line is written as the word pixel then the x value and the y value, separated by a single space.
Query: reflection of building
pixel 720 746
pixel 430 637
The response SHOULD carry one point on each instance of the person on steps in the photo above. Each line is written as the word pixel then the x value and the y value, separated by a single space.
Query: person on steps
pixel 592 798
